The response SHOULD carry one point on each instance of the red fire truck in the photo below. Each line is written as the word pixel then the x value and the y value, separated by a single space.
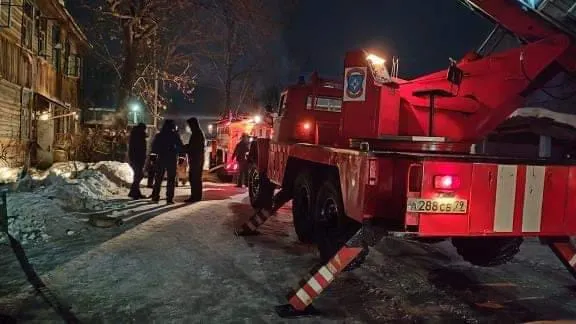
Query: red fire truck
pixel 379 155
pixel 229 130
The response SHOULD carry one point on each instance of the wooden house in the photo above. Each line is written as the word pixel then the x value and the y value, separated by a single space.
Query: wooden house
pixel 41 49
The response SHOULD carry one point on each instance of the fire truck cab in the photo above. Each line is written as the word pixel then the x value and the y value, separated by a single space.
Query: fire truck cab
pixel 310 112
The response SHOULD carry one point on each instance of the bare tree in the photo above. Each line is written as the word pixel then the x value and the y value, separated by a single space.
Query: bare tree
pixel 242 34
pixel 144 41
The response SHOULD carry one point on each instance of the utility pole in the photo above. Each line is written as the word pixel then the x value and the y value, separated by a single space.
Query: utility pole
pixel 156 100
pixel 155 117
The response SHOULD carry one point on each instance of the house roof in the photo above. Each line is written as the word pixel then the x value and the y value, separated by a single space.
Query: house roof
pixel 63 14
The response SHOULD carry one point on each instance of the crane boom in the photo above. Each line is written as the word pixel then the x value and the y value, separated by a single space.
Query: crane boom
pixel 533 20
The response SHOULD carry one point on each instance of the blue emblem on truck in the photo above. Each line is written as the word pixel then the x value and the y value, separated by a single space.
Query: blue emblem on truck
pixel 355 83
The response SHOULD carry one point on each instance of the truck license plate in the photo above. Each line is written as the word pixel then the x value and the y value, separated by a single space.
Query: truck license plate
pixel 437 206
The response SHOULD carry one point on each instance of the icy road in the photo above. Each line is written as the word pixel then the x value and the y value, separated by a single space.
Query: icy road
pixel 182 264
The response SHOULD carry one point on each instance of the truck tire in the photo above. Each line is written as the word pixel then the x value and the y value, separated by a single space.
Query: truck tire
pixel 487 251
pixel 332 228
pixel 260 189
pixel 303 205
pixel 223 176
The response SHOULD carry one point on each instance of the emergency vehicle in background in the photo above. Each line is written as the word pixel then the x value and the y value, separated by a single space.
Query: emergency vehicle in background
pixel 229 131
pixel 377 155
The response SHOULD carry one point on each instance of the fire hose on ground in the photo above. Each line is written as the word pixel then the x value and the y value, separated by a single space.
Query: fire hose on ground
pixel 33 278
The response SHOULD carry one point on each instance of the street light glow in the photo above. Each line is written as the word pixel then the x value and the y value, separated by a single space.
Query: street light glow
pixel 257 119
pixel 135 107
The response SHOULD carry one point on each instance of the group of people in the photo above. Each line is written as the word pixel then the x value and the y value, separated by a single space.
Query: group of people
pixel 167 146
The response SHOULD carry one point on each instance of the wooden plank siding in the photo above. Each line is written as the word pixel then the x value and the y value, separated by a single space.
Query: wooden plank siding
pixel 30 60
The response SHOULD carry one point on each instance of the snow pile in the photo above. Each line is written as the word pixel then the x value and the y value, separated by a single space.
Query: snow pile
pixel 40 206
pixel 9 175
pixel 562 118
pixel 120 173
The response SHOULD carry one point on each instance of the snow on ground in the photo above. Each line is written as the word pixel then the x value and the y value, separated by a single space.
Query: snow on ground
pixel 56 202
pixel 182 264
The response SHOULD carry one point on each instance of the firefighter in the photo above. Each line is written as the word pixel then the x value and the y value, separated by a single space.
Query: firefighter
pixel 137 158
pixel 241 156
pixel 167 144
pixel 195 148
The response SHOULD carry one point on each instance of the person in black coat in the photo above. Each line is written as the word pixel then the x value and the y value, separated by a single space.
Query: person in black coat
pixel 137 158
pixel 167 144
pixel 195 150
pixel 241 155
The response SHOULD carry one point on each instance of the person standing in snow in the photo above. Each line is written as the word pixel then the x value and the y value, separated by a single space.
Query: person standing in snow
pixel 167 144
pixel 241 156
pixel 137 158
pixel 195 149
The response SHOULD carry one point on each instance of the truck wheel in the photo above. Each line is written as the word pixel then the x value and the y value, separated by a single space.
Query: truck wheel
pixel 223 176
pixel 260 189
pixel 487 251
pixel 303 204
pixel 332 228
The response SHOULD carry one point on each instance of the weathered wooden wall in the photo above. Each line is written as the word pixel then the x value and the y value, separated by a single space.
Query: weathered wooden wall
pixel 23 68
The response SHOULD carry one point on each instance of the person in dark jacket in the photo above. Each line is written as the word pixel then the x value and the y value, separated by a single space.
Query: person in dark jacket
pixel 241 156
pixel 167 144
pixel 151 169
pixel 195 150
pixel 137 158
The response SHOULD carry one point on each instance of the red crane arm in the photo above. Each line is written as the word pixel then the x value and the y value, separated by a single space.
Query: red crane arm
pixel 526 24
pixel 493 88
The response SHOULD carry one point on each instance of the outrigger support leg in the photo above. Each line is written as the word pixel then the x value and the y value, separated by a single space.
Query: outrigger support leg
pixel 300 301
pixel 262 215
pixel 565 251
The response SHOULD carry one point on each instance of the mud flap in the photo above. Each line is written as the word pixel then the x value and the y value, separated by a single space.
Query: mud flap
pixel 31 275
pixel 250 227
pixel 300 301
pixel 565 251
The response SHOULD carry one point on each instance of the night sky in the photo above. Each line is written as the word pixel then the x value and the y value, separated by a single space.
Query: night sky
pixel 422 33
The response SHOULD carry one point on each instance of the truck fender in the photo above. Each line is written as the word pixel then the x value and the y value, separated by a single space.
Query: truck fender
pixel 258 154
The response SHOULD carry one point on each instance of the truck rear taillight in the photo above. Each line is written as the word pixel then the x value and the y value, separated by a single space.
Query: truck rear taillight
pixel 232 166
pixel 446 182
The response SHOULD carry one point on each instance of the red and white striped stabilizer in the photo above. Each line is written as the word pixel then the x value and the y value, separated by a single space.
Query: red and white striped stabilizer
pixel 259 218
pixel 321 278
pixel 566 252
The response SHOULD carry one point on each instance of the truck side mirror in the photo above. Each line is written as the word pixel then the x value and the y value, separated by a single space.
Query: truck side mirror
pixel 455 74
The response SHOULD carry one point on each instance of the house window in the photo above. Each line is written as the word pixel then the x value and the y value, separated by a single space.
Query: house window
pixel 74 65
pixel 66 57
pixel 27 24
pixel 324 104
pixel 5 12
pixel 42 32
pixel 56 48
